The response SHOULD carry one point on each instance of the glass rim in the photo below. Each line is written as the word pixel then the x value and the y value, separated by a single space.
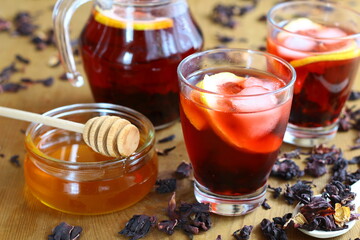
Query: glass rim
pixel 333 5
pixel 33 127
pixel 184 80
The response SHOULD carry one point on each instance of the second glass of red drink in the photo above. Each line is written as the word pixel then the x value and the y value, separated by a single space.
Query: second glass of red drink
pixel 234 108
pixel 321 41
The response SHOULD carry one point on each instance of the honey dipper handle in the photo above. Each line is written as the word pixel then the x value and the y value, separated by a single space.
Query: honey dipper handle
pixel 38 118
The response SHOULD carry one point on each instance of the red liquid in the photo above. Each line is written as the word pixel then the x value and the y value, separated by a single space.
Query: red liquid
pixel 321 87
pixel 228 156
pixel 137 68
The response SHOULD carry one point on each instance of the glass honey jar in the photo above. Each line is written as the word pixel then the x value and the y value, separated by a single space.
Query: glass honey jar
pixel 67 175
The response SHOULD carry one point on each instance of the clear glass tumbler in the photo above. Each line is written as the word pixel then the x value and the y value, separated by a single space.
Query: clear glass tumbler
pixel 321 41
pixel 234 107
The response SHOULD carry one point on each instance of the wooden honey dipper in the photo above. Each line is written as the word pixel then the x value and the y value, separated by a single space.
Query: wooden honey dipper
pixel 108 135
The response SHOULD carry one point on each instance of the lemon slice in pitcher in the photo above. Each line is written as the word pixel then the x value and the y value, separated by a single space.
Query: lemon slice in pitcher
pixel 111 19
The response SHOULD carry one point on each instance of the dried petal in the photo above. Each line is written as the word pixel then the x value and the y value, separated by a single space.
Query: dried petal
pixel 166 185
pixel 168 226
pixel 243 233
pixel 183 170
pixel 138 226
pixel 300 191
pixel 271 231
pixel 14 160
pixel 166 151
pixel 167 139
pixel 265 205
pixel 277 191
pixel 286 169
pixel 342 214
pixel 64 231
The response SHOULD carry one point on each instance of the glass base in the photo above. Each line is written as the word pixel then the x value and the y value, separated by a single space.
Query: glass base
pixel 230 205
pixel 309 137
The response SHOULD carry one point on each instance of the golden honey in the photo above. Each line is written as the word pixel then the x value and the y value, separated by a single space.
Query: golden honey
pixel 67 175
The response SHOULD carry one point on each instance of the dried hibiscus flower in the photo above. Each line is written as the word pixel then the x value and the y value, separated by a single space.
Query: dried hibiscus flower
pixel 166 185
pixel 300 191
pixel 191 218
pixel 64 231
pixel 276 191
pixel 183 170
pixel 167 139
pixel 315 166
pixel 265 205
pixel 243 233
pixel 138 226
pixel 286 169
pixel 272 231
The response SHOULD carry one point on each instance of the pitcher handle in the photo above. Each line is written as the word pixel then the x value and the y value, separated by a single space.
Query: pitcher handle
pixel 62 13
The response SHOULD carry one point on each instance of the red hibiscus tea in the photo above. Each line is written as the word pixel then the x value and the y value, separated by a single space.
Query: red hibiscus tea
pixel 130 57
pixel 233 117
pixel 325 55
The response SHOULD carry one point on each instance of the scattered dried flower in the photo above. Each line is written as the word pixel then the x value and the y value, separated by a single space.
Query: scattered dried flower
pixel 276 191
pixel 166 185
pixel 64 231
pixel 22 59
pixel 243 233
pixel 286 169
pixel 315 166
pixel 4 25
pixel 14 160
pixel 354 95
pixel 271 231
pixel 265 205
pixel 138 226
pixel 23 22
pixel 292 154
pixel 191 218
pixel 167 139
pixel 300 191
pixel 183 170
pixel 165 152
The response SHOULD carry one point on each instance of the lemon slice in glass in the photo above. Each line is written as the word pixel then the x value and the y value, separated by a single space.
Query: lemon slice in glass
pixel 351 51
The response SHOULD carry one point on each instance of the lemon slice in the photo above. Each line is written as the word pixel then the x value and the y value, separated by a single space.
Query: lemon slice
pixel 352 51
pixel 223 83
pixel 302 24
pixel 108 18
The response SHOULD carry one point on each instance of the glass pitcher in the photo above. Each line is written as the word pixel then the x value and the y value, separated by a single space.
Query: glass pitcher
pixel 130 51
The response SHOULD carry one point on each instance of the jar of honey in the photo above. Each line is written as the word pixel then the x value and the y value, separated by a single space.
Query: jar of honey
pixel 67 175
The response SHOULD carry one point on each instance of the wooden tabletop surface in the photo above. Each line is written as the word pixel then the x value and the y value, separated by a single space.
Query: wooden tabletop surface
pixel 24 217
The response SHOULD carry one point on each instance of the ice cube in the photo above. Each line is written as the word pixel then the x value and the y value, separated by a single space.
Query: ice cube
pixel 330 33
pixel 299 43
pixel 245 103
pixel 268 85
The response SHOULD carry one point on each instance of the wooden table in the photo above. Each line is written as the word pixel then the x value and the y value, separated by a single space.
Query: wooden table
pixel 24 217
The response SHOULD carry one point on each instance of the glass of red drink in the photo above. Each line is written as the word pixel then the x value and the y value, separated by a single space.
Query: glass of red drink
pixel 321 41
pixel 130 52
pixel 234 107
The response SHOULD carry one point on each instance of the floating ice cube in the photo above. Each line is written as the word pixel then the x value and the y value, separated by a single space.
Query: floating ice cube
pixel 330 33
pixel 299 43
pixel 245 103
pixel 268 85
